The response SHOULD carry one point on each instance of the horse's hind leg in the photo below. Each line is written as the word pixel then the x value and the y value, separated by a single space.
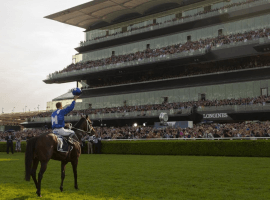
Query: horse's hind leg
pixel 74 166
pixel 33 171
pixel 63 167
pixel 40 175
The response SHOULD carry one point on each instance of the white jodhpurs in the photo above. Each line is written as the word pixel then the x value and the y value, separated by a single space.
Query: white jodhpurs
pixel 63 132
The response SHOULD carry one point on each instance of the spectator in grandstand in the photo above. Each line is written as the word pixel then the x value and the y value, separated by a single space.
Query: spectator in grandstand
pixel 2 136
pixel 178 48
pixel 23 136
pixel 181 19
pixel 260 100
pixel 198 131
pixel 29 136
pixel 214 130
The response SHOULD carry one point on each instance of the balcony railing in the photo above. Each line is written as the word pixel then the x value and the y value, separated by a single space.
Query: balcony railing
pixel 156 113
pixel 181 21
pixel 150 113
pixel 154 59
pixel 125 64
pixel 236 108
pixel 191 139
pixel 175 78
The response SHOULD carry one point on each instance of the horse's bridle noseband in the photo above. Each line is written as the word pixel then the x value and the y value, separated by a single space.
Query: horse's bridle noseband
pixel 88 127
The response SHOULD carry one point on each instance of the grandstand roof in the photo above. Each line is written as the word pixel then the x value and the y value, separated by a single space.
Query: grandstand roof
pixel 102 13
pixel 67 95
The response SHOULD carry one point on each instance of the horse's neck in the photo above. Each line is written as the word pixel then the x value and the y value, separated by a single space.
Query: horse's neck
pixel 77 134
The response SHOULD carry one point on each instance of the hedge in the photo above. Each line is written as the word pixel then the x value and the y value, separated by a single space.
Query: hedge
pixel 3 147
pixel 243 148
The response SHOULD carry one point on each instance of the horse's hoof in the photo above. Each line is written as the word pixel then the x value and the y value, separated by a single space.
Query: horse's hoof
pixel 61 189
pixel 38 194
pixel 76 187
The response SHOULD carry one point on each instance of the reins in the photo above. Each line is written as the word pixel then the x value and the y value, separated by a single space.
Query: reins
pixel 88 127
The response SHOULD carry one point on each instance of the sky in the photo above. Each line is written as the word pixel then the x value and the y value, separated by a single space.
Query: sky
pixel 31 47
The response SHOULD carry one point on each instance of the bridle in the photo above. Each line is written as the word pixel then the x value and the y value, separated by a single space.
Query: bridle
pixel 88 130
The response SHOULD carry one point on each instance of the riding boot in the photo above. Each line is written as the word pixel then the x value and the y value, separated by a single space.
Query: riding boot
pixel 70 141
pixel 70 138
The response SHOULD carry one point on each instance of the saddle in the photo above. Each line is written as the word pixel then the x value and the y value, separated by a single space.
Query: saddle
pixel 67 143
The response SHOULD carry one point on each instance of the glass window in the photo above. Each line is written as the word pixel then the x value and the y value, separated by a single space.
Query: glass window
pixel 264 91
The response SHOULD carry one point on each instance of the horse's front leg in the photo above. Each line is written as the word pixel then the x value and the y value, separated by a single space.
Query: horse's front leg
pixel 74 166
pixel 63 167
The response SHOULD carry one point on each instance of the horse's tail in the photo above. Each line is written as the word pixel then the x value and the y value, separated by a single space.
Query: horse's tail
pixel 30 147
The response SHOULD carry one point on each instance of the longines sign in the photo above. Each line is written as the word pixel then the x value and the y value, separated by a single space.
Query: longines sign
pixel 215 115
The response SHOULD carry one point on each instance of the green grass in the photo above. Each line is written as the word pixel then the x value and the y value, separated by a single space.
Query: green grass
pixel 143 177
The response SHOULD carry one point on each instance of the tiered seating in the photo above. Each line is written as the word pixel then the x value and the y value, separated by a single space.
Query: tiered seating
pixel 149 24
pixel 190 70
pixel 189 46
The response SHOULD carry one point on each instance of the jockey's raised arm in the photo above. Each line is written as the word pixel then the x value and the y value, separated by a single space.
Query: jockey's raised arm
pixel 58 116
pixel 69 108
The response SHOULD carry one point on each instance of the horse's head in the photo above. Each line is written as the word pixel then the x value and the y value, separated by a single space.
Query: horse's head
pixel 84 127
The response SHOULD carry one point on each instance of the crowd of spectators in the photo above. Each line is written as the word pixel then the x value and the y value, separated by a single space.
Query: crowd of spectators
pixel 189 46
pixel 214 130
pixel 133 28
pixel 26 134
pixel 260 100
pixel 188 70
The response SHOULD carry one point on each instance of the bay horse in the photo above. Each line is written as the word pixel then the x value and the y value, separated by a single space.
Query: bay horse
pixel 44 147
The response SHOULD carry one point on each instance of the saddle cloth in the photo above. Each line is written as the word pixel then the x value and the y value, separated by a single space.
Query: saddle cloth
pixel 66 146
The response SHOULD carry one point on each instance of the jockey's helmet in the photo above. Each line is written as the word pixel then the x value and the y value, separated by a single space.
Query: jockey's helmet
pixel 76 91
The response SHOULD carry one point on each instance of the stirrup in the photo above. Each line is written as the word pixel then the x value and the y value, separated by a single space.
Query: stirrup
pixel 70 141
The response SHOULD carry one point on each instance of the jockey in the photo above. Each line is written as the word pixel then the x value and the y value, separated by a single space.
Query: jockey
pixel 58 121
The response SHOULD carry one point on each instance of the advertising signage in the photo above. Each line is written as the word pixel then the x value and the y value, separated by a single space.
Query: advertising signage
pixel 215 116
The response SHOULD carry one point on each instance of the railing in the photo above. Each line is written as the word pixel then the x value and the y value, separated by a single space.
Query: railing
pixel 181 21
pixel 156 113
pixel 171 112
pixel 125 64
pixel 175 78
pixel 190 139
pixel 236 108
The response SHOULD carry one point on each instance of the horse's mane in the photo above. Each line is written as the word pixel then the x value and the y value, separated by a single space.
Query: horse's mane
pixel 79 123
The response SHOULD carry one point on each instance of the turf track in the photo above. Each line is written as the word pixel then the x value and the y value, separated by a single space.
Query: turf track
pixel 143 177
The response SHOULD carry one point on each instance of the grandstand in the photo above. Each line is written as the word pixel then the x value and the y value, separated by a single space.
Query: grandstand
pixel 198 60
pixel 15 120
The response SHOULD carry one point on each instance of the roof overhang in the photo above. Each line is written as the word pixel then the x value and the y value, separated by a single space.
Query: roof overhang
pixel 107 12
